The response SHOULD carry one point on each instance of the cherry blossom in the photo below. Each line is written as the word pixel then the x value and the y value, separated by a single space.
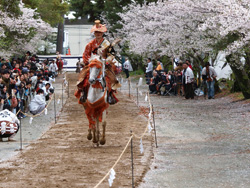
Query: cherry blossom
pixel 28 28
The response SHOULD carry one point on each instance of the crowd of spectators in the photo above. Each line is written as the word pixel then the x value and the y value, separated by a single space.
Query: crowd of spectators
pixel 180 81
pixel 21 79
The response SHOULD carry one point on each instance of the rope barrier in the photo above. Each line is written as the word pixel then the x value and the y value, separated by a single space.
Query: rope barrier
pixel 133 135
pixel 119 158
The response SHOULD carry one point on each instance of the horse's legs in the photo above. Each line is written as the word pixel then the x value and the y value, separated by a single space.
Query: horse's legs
pixel 89 137
pixel 94 136
pixel 97 130
pixel 103 140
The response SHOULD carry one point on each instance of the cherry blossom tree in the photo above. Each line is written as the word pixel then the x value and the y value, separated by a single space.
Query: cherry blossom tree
pixel 191 27
pixel 19 33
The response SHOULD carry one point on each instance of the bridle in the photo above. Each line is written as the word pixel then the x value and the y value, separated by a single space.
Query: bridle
pixel 101 76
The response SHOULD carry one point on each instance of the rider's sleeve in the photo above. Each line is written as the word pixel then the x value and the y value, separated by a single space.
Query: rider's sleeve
pixel 87 54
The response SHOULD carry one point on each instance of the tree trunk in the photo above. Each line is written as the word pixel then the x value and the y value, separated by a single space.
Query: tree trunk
pixel 242 79
pixel 60 38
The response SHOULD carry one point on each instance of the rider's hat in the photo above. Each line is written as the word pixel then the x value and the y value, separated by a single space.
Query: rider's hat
pixel 98 27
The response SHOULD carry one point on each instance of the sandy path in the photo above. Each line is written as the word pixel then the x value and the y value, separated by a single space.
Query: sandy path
pixel 63 157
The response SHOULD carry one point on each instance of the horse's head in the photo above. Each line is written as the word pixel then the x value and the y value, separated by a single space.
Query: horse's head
pixel 95 70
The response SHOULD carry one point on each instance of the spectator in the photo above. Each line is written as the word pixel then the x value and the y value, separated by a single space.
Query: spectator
pixel 159 67
pixel 209 75
pixel 53 68
pixel 37 104
pixel 59 63
pixel 189 64
pixel 179 82
pixel 6 79
pixel 154 82
pixel 187 81
pixel 46 91
pixel 126 67
pixel 78 67
pixel 149 70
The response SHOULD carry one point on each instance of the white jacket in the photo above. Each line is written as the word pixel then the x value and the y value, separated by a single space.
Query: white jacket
pixel 189 75
pixel 37 102
pixel 53 67
pixel 212 72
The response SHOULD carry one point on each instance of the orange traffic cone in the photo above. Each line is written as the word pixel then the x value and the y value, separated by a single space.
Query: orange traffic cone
pixel 68 52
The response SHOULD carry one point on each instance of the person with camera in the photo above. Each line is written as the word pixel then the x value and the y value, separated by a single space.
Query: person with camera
pixel 187 81
pixel 209 75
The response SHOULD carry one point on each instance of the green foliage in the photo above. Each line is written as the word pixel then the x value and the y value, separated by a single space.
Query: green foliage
pixel 223 43
pixel 87 7
pixel 110 8
pixel 11 7
pixel 137 72
pixel 51 11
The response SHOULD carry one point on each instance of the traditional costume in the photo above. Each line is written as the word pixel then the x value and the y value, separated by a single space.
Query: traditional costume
pixel 9 124
pixel 104 49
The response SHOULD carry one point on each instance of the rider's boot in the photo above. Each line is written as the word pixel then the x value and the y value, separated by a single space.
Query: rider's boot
pixel 83 97
pixel 111 98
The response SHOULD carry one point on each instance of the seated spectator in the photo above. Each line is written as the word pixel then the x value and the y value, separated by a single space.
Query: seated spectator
pixel 154 82
pixel 37 104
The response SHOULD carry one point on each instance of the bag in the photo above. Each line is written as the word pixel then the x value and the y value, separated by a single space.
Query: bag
pixel 14 102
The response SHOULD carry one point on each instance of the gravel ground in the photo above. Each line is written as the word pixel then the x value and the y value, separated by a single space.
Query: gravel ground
pixel 39 126
pixel 201 143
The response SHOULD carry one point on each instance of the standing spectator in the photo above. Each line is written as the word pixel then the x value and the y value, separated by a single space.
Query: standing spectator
pixel 53 68
pixel 187 80
pixel 6 79
pixel 209 75
pixel 126 67
pixel 149 70
pixel 59 64
pixel 179 82
pixel 78 67
pixel 189 64
pixel 159 67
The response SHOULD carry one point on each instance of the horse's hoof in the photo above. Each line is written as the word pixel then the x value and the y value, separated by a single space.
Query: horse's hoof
pixel 89 137
pixel 102 141
pixel 95 141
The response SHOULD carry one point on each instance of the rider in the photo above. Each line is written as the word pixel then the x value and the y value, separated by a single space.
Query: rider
pixel 99 45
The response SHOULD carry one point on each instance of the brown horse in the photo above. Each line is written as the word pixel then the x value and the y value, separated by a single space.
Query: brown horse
pixel 96 103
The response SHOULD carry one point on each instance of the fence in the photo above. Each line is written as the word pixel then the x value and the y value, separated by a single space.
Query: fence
pixel 60 99
pixel 151 121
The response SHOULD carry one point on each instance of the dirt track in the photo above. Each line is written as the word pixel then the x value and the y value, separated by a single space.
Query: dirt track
pixel 63 157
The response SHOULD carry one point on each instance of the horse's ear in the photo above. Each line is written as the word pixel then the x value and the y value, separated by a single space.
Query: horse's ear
pixel 116 41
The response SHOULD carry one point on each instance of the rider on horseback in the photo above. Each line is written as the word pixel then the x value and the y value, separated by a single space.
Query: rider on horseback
pixel 102 47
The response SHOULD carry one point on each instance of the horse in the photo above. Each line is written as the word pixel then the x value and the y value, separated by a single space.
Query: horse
pixel 97 101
